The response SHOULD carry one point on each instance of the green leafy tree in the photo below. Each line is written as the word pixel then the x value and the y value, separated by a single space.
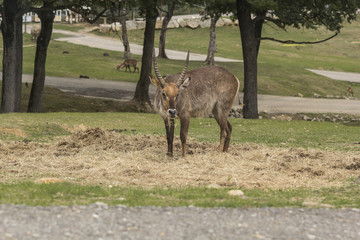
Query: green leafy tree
pixel 11 27
pixel 90 10
pixel 302 13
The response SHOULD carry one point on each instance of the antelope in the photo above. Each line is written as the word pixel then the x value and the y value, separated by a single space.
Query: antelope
pixel 350 91
pixel 127 64
pixel 197 93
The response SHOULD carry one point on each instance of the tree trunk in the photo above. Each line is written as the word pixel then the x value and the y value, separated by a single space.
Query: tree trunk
pixel 142 88
pixel 210 59
pixel 167 18
pixel 125 40
pixel 250 32
pixel 42 43
pixel 11 28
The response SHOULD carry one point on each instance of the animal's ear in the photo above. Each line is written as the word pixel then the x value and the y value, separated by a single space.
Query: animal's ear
pixel 155 81
pixel 185 83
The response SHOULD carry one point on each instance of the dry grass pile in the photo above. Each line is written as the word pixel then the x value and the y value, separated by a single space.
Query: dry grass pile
pixel 94 156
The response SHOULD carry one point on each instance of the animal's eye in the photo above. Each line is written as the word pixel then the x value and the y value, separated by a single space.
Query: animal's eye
pixel 164 95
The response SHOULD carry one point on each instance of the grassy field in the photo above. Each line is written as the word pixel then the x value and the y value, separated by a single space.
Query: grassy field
pixel 69 194
pixel 275 163
pixel 119 158
pixel 281 68
pixel 273 133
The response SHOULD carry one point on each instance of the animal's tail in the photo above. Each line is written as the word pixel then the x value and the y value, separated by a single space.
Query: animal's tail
pixel 240 103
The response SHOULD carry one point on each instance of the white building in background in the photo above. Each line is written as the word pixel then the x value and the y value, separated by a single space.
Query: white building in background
pixel 63 15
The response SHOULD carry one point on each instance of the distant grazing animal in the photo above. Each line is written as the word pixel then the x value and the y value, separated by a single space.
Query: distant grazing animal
pixel 35 32
pixel 200 92
pixel 350 91
pixel 129 63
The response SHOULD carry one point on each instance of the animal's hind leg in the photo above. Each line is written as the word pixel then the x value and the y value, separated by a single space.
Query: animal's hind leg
pixel 228 136
pixel 225 132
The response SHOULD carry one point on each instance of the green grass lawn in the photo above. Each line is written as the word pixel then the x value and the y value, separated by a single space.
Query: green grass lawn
pixel 274 133
pixel 281 72
pixel 69 194
pixel 281 68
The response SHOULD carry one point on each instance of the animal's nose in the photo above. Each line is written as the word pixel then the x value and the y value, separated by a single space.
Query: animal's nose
pixel 171 112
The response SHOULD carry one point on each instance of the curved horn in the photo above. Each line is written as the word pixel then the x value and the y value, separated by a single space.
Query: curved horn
pixel 182 74
pixel 157 72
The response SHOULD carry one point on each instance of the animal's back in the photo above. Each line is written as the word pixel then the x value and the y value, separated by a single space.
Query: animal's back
pixel 208 87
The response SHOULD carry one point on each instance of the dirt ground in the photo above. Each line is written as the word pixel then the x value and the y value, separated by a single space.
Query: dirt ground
pixel 95 156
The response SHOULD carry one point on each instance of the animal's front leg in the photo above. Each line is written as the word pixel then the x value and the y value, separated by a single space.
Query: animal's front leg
pixel 183 134
pixel 169 126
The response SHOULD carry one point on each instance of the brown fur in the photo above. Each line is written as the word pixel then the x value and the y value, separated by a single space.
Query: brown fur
pixel 205 91
pixel 129 63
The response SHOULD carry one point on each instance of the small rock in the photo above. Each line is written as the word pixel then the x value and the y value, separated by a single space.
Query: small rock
pixel 131 25
pixel 104 28
pixel 316 95
pixel 140 24
pixel 101 205
pixel 227 22
pixel 299 95
pixel 220 22
pixel 173 24
pixel 115 27
pixel 236 193
pixel 182 22
pixel 193 23
pixel 205 24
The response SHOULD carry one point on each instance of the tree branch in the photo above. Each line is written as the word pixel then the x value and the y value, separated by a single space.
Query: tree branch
pixel 161 9
pixel 277 22
pixel 87 19
pixel 295 42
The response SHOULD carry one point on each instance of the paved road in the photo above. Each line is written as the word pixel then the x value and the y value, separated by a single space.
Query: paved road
pixel 267 103
pixel 124 91
pixel 341 76
pixel 106 43
pixel 98 221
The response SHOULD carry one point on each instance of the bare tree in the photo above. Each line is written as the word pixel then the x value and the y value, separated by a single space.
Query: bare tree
pixel 141 95
pixel 167 18
pixel 212 49
pixel 46 16
pixel 119 13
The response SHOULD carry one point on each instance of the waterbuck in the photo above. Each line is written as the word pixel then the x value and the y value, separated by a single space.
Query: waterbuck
pixel 127 64
pixel 197 93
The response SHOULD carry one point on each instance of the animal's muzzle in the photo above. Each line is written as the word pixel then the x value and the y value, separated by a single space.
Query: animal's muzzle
pixel 171 112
